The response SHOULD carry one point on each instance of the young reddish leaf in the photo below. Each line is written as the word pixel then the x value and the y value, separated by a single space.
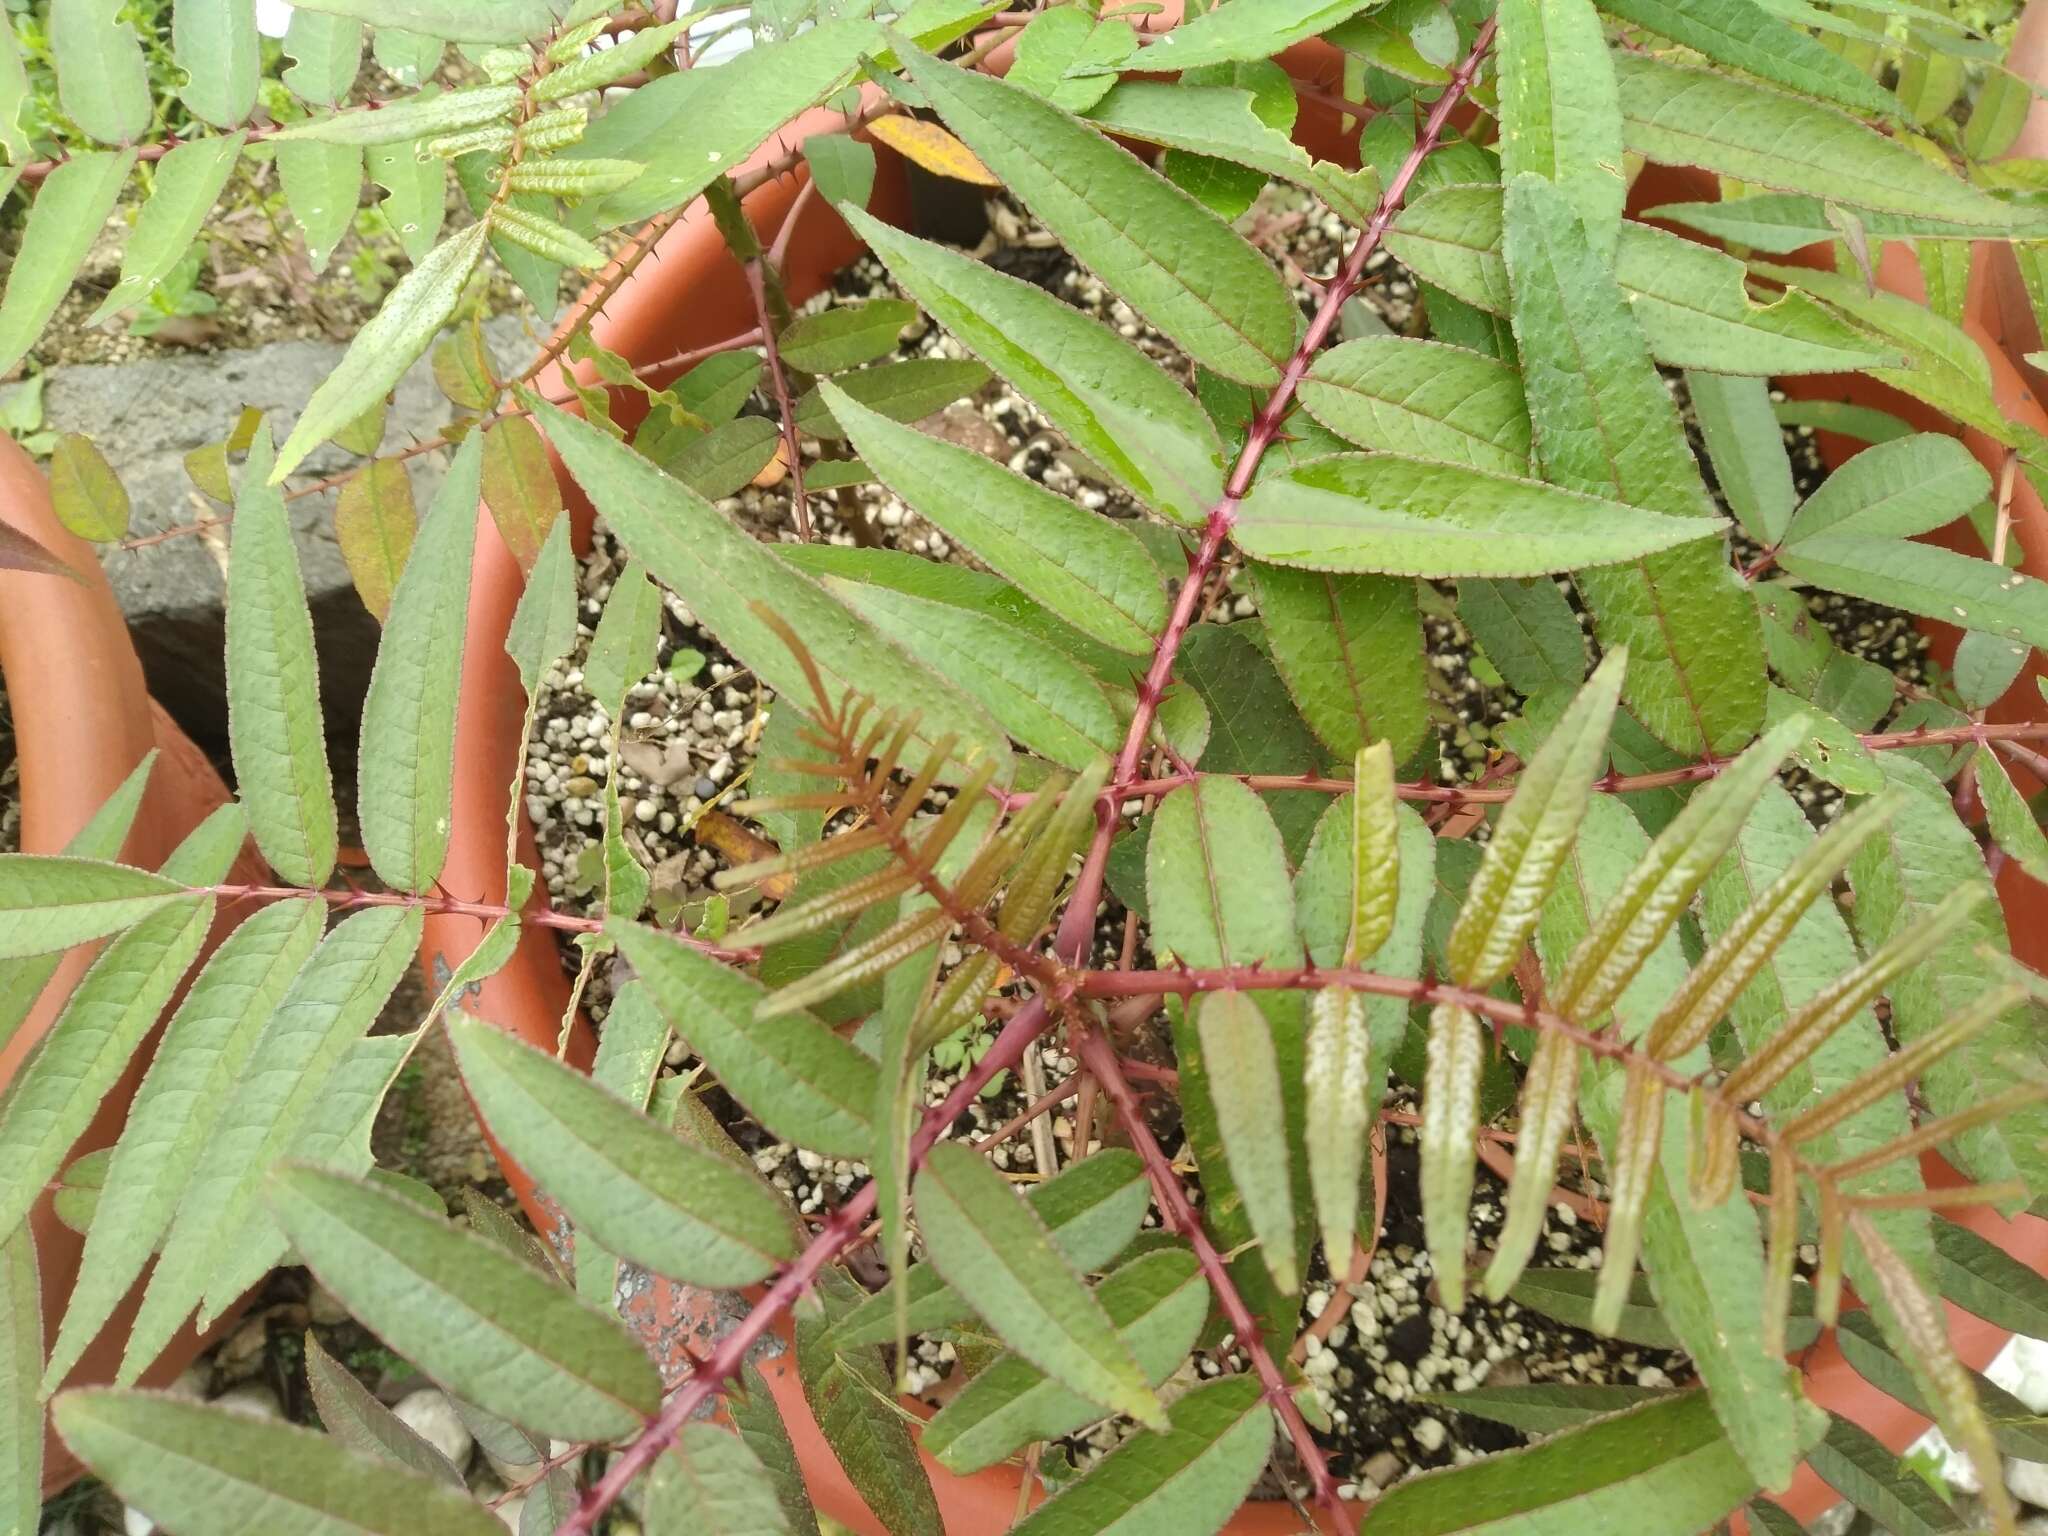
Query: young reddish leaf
pixel 520 488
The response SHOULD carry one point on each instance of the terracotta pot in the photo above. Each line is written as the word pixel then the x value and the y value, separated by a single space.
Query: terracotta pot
pixel 691 296
pixel 82 721
pixel 1999 297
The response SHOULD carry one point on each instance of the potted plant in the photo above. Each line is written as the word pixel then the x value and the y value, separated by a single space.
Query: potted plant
pixel 1648 947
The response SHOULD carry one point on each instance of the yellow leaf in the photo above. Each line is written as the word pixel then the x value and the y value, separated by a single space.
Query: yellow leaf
pixel 929 145
pixel 374 522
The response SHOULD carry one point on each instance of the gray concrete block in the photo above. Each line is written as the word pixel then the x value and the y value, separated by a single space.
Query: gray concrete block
pixel 146 415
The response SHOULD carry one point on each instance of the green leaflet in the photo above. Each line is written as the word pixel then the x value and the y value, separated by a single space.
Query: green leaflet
pixel 999 1256
pixel 1455 1059
pixel 1924 854
pixel 53 902
pixel 1747 450
pixel 1778 222
pixel 1635 921
pixel 22 978
pixel 1527 630
pixel 188 181
pixel 322 185
pixel 1533 837
pixel 1189 1479
pixel 793 1074
pixel 1221 36
pixel 408 57
pixel 1690 626
pixel 624 646
pixel 1091 1209
pixel 1924 579
pixel 1157 1302
pixel 1088 569
pixel 1705 1265
pixel 847 1390
pixel 1568 1296
pixel 543 625
pixel 1723 123
pixel 834 339
pixel 350 1412
pixel 589 71
pixel 289 1075
pixel 115 1004
pixel 413 117
pixel 1894 490
pixel 649 1197
pixel 1745 35
pixel 710 1481
pixel 1869 1475
pixel 1112 403
pixel 1688 298
pixel 1560 112
pixel 479 1321
pixel 21 1357
pixel 1172 259
pixel 688 129
pixel 216 44
pixel 2011 820
pixel 456 21
pixel 758 1421
pixel 1350 650
pixel 1662 1469
pixel 386 346
pixel 1242 1070
pixel 197 1467
pixel 1033 692
pixel 1216 878
pixel 1422 399
pixel 1544 1408
pixel 1399 516
pixel 415 202
pixel 406 766
pixel 907 391
pixel 13 96
pixel 1069 58
pixel 721 571
pixel 70 209
pixel 1982 1278
pixel 102 83
pixel 199 1058
pixel 327 53
pixel 275 729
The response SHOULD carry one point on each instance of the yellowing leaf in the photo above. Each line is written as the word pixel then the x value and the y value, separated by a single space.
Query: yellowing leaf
pixel 520 488
pixel 374 523
pixel 88 495
pixel 930 146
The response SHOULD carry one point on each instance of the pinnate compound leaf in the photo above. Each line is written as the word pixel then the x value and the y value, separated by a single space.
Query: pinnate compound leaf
pixel 1533 838
pixel 1091 1210
pixel 791 1072
pixel 1189 1479
pixel 709 1481
pixel 350 1412
pixel 275 730
pixel 1172 259
pixel 21 1358
pixel 1089 570
pixel 85 492
pixel 1644 910
pixel 374 523
pixel 1157 1302
pixel 999 1256
pixel 386 346
pixel 406 766
pixel 1113 403
pixel 1737 127
pixel 288 1073
pixel 70 210
pixel 102 82
pixel 669 1206
pixel 520 488
pixel 721 571
pixel 1422 399
pixel 188 181
pixel 198 1467
pixel 1414 517
pixel 1560 111
pixel 1662 1469
pixel 482 1323
pixel 199 1057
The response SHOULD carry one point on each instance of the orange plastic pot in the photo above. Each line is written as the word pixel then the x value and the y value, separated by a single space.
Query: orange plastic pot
pixel 693 295
pixel 82 720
